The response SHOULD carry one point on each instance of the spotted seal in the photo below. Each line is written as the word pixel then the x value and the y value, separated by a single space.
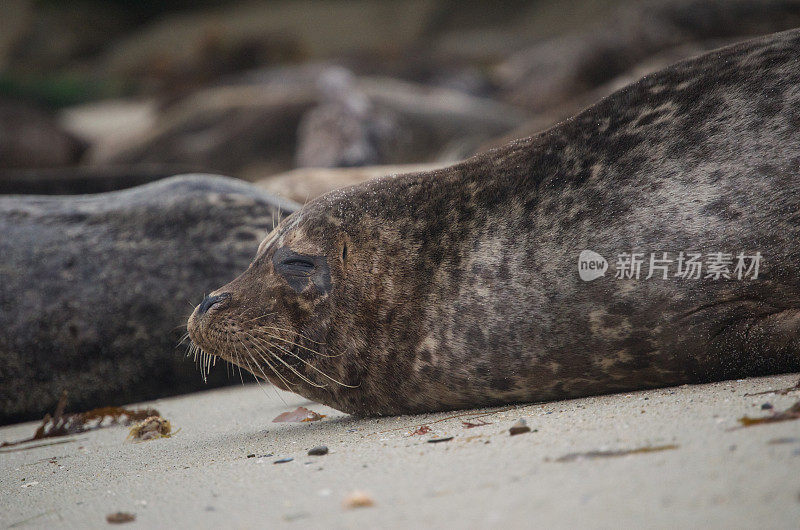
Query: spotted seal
pixel 463 287
pixel 94 289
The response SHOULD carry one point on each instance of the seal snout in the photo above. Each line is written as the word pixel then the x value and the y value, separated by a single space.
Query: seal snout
pixel 216 301
pixel 199 324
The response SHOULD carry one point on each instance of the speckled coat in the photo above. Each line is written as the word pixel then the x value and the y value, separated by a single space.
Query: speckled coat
pixel 94 289
pixel 460 287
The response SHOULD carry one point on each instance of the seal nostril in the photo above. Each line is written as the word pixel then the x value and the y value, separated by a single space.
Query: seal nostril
pixel 210 301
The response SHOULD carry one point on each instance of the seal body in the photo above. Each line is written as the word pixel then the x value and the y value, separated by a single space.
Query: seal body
pixel 462 287
pixel 94 289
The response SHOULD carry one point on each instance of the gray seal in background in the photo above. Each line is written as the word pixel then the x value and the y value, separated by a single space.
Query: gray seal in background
pixel 460 287
pixel 95 289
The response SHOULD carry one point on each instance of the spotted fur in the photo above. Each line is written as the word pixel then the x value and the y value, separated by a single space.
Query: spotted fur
pixel 459 287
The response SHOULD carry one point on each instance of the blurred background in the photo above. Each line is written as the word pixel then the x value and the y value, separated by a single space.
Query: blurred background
pixel 301 96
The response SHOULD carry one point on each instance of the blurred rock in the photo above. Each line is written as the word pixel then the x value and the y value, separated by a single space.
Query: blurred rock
pixel 468 31
pixel 542 121
pixel 109 125
pixel 222 129
pixel 30 138
pixel 344 134
pixel 372 121
pixel 561 68
pixel 16 19
pixel 304 184
pixel 177 45
pixel 56 35
pixel 443 125
pixel 348 130
pixel 97 289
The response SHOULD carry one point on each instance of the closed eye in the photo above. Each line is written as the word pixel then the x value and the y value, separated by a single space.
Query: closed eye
pixel 297 266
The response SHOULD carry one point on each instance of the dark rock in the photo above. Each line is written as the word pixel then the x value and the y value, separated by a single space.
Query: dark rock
pixel 443 125
pixel 283 122
pixel 185 44
pixel 95 289
pixel 318 451
pixel 31 138
pixel 766 406
pixel 223 129
pixel 371 121
pixel 544 119
pixel 439 440
pixel 558 69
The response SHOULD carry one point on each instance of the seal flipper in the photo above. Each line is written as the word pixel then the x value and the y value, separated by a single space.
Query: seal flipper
pixel 755 346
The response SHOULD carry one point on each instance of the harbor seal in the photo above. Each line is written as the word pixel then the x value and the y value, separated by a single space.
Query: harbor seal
pixel 651 240
pixel 94 289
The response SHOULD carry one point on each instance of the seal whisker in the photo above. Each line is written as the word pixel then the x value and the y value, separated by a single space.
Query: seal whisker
pixel 280 329
pixel 312 366
pixel 183 339
pixel 265 378
pixel 237 355
pixel 295 332
pixel 290 367
pixel 266 351
pixel 287 383
pixel 311 350
pixel 256 318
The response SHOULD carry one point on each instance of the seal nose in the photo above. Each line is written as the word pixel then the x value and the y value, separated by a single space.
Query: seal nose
pixel 210 301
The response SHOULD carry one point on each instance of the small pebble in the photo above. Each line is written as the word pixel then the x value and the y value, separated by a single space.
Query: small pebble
pixel 520 427
pixel 358 499
pixel 437 440
pixel 251 455
pixel 120 517
pixel 318 451
pixel 766 406
pixel 283 460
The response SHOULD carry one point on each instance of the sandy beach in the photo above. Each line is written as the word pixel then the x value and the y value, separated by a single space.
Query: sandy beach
pixel 692 465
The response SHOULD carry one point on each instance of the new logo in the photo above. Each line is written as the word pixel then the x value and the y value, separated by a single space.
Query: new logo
pixel 591 265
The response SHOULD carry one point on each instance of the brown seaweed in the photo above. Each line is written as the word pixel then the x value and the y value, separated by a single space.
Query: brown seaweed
pixel 60 424
pixel 571 457
pixel 792 413
pixel 779 391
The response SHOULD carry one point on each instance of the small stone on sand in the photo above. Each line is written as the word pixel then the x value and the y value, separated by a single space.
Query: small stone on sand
pixel 520 427
pixel 120 517
pixel 358 499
